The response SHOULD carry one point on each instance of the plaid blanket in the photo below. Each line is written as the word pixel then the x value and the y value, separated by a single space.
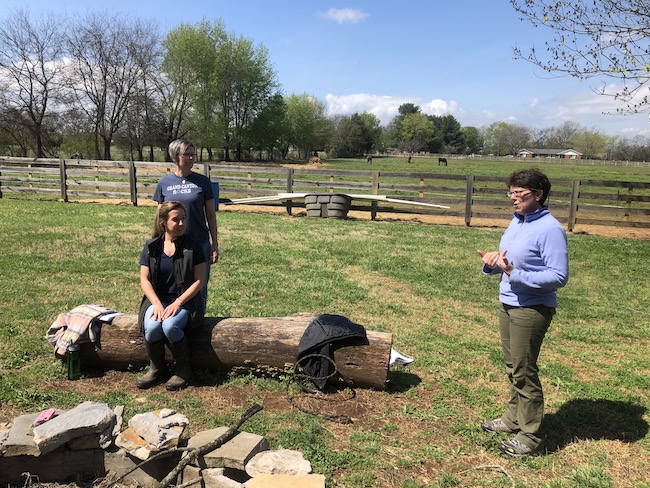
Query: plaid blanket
pixel 79 325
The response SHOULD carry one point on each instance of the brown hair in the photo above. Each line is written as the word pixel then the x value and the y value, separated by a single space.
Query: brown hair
pixel 533 179
pixel 162 214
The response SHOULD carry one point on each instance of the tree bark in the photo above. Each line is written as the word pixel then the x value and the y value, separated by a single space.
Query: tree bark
pixel 264 344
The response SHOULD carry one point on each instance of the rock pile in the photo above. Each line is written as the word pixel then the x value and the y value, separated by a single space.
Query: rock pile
pixel 87 442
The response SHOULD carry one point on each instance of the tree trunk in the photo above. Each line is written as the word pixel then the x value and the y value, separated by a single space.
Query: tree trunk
pixel 264 344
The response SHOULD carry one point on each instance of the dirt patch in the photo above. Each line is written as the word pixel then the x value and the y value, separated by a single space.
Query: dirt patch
pixel 339 405
pixel 597 230
pixel 311 165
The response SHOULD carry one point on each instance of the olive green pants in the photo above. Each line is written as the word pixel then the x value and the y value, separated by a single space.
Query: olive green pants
pixel 522 332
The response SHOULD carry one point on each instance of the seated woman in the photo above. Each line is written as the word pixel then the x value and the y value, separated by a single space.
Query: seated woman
pixel 172 271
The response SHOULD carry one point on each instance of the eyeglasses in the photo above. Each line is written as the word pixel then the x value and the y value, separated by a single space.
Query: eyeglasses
pixel 518 193
pixel 189 155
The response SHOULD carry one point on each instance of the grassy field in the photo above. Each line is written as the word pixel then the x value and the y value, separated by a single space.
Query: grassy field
pixel 498 167
pixel 422 283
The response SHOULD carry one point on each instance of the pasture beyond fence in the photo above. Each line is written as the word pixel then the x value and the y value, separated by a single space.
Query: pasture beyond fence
pixel 584 202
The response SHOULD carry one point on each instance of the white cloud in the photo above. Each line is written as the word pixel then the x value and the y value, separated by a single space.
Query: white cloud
pixel 345 15
pixel 440 107
pixel 584 108
pixel 384 107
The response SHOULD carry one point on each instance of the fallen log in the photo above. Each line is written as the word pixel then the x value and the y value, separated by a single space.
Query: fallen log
pixel 262 344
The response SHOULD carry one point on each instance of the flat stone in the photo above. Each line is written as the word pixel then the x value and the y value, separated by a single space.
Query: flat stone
pixel 20 439
pixel 189 474
pixel 266 480
pixel 162 428
pixel 4 433
pixel 107 437
pixel 281 461
pixel 216 478
pixel 135 445
pixel 59 466
pixel 233 454
pixel 90 441
pixel 117 462
pixel 86 418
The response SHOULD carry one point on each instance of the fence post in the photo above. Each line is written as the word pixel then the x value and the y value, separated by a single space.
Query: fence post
pixel 289 189
pixel 375 191
pixel 628 203
pixel 133 184
pixel 63 176
pixel 468 199
pixel 573 205
pixel 206 170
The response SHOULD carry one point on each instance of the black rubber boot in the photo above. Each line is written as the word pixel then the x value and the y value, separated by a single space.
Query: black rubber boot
pixel 183 369
pixel 157 366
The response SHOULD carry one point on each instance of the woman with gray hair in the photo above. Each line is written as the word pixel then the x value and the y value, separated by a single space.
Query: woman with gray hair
pixel 194 191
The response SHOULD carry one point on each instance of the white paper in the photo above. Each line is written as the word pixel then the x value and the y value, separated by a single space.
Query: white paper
pixel 397 358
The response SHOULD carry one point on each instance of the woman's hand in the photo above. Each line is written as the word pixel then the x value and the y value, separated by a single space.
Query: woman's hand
pixel 172 309
pixel 490 259
pixel 503 263
pixel 158 312
pixel 496 259
pixel 214 253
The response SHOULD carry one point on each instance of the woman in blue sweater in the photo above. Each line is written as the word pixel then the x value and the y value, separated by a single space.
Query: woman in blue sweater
pixel 533 262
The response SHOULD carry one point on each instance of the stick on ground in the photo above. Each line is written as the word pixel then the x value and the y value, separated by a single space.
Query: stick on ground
pixel 210 446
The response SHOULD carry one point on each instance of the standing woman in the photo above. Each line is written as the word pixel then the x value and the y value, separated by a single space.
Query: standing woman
pixel 533 262
pixel 172 270
pixel 194 191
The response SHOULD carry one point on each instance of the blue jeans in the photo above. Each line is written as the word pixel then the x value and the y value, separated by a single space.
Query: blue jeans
pixel 171 328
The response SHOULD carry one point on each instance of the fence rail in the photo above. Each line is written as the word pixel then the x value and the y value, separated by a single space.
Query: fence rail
pixel 587 202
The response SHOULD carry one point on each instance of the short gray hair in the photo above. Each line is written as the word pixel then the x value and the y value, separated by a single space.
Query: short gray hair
pixel 177 147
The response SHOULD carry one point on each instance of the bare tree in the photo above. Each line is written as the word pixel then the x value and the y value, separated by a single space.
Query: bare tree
pixel 606 38
pixel 143 125
pixel 107 63
pixel 31 66
pixel 540 136
pixel 560 136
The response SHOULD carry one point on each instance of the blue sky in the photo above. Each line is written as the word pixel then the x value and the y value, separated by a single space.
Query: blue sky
pixel 448 57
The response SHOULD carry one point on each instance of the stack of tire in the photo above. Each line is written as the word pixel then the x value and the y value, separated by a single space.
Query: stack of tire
pixel 330 205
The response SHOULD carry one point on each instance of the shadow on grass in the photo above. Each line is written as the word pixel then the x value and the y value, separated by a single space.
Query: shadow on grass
pixel 401 381
pixel 582 419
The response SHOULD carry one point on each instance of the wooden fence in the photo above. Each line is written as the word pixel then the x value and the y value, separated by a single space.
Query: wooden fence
pixel 585 202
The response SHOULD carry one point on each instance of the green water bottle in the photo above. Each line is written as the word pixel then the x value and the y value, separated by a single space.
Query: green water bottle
pixel 74 361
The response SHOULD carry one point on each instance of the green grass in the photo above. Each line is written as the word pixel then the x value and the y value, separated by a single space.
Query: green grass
pixel 496 167
pixel 422 283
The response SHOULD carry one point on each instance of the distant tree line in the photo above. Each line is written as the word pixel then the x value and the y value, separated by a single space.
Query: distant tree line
pixel 92 84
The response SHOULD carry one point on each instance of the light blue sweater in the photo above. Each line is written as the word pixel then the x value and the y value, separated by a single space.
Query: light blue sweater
pixel 537 248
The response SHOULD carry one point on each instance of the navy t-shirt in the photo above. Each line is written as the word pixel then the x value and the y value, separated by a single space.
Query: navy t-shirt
pixel 192 191
pixel 166 288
